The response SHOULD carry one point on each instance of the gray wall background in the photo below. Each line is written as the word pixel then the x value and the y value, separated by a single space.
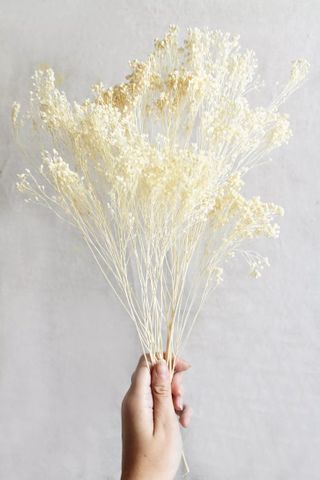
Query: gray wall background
pixel 66 347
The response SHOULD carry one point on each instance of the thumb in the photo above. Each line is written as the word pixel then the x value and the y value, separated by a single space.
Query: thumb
pixel 161 391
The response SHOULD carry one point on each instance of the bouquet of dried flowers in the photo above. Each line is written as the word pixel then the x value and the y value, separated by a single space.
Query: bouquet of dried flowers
pixel 151 173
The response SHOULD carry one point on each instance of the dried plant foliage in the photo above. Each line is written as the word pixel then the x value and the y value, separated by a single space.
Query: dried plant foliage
pixel 151 173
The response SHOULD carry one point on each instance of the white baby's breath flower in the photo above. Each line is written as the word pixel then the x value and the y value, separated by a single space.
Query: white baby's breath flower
pixel 151 172
pixel 15 113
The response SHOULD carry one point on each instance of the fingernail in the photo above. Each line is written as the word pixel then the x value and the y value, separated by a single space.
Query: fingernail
pixel 162 369
pixel 180 406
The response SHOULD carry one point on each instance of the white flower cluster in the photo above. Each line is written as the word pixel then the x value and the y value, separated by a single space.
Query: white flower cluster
pixel 155 170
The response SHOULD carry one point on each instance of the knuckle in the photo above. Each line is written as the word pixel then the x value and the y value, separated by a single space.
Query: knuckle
pixel 127 401
pixel 180 390
pixel 142 358
pixel 161 390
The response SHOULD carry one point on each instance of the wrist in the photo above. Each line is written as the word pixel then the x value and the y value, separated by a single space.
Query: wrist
pixel 142 475
pixel 139 476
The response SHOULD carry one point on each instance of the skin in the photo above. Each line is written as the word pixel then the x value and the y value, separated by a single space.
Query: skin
pixel 151 438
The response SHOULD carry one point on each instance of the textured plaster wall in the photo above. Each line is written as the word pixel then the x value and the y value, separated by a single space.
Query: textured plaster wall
pixel 67 349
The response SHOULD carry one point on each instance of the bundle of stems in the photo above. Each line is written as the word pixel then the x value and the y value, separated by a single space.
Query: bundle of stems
pixel 151 173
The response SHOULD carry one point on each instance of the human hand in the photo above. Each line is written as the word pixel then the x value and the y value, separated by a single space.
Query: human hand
pixel 151 438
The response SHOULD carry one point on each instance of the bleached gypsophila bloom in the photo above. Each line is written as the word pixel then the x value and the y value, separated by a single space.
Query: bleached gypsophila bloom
pixel 154 173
